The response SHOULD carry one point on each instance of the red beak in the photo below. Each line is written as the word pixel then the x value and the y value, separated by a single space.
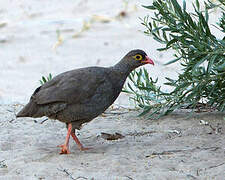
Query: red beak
pixel 148 60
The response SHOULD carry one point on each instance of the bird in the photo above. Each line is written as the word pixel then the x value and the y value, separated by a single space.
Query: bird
pixel 80 95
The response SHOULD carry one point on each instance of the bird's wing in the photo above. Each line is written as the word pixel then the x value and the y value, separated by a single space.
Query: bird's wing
pixel 74 86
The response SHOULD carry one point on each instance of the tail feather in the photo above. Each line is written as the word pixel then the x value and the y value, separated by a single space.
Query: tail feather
pixel 30 110
pixel 22 113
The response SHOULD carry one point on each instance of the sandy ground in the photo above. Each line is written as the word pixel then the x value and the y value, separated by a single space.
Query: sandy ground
pixel 41 37
pixel 174 147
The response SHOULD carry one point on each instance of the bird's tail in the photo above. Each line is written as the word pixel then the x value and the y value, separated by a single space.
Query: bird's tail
pixel 28 111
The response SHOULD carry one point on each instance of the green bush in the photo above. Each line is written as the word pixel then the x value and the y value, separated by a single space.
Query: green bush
pixel 200 53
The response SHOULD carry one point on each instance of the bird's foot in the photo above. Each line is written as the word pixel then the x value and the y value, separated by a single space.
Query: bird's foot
pixel 80 146
pixel 84 148
pixel 64 150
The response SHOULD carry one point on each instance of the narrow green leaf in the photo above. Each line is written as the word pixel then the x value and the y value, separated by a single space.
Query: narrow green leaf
pixel 145 111
pixel 149 7
pixel 173 61
pixel 171 42
pixel 157 39
pixel 44 79
pixel 206 14
pixel 197 4
pixel 200 61
pixel 184 5
pixel 190 21
pixel 211 63
pixel 205 25
pixel 126 91
pixel 129 86
pixel 177 8
pixel 163 49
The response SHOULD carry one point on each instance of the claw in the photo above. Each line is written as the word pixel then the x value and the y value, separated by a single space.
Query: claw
pixel 64 150
pixel 80 146
pixel 84 148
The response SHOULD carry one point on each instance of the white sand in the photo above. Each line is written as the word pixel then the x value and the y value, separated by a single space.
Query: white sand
pixel 186 149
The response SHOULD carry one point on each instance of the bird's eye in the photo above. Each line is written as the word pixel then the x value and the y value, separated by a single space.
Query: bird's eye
pixel 138 57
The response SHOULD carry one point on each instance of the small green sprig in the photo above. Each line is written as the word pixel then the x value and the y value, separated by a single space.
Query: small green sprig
pixel 45 79
pixel 144 92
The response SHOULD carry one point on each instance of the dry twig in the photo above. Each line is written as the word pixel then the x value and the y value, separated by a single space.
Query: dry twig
pixel 170 152
pixel 70 175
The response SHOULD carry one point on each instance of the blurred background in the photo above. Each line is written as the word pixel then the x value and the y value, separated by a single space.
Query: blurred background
pixel 42 37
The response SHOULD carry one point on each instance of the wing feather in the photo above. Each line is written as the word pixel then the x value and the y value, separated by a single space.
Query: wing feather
pixel 74 86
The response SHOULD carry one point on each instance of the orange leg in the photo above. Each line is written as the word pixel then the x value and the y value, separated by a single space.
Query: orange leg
pixel 81 147
pixel 65 147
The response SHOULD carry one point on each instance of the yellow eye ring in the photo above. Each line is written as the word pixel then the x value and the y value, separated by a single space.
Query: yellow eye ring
pixel 138 57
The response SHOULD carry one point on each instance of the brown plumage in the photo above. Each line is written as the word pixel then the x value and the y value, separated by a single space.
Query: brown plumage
pixel 78 96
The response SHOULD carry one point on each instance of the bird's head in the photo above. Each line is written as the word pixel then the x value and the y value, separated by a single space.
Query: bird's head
pixel 136 58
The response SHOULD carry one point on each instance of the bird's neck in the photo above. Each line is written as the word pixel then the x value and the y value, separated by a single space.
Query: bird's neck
pixel 122 68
